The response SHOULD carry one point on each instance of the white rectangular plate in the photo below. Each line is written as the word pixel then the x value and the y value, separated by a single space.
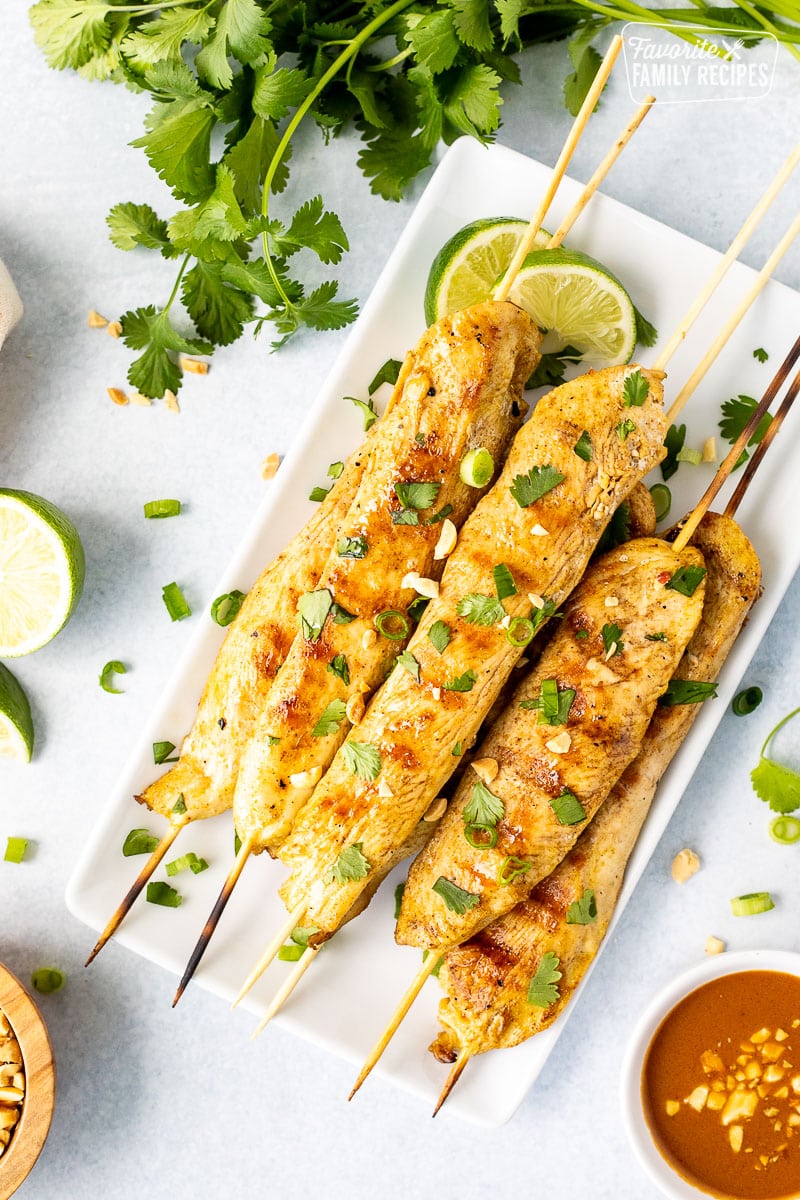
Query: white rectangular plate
pixel 345 1000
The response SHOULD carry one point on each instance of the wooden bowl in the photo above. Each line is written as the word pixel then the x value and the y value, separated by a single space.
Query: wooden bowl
pixel 40 1082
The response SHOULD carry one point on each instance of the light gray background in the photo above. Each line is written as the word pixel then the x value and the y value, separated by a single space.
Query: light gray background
pixel 161 1103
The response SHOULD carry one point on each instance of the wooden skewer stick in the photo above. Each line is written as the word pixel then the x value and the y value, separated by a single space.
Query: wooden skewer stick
pixel 287 987
pixel 138 884
pixel 732 253
pixel 452 1078
pixel 294 918
pixel 216 912
pixel 764 444
pixel 427 968
pixel 600 174
pixel 722 337
pixel 586 110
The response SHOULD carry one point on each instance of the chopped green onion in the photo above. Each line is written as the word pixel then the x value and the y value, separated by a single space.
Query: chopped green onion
pixel 367 411
pixel 237 843
pixel 139 841
pixel 568 808
pixel 474 835
pixel 162 751
pixel 179 806
pixel 187 862
pixel 417 607
pixel 291 953
pixel 685 454
pixel 662 500
pixel 393 625
pixel 477 467
pixel 624 428
pixel 335 469
pixel 340 615
pixel 688 691
pixel 457 750
pixel 47 980
pixel 352 547
pixel 520 631
pixel 15 849
pixel 785 829
pixel 583 446
pixel 163 894
pixel 115 667
pixel 443 512
pixel 313 608
pixel 504 584
pixel 747 701
pixel 686 580
pixel 398 899
pixel 175 602
pixel 162 508
pixel 511 868
pixel 388 373
pixel 227 606
pixel 318 494
pixel 751 903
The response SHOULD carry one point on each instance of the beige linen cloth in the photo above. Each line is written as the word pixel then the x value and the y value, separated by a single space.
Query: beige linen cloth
pixel 10 304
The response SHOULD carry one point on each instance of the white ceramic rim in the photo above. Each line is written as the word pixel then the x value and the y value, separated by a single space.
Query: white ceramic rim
pixel 657 1168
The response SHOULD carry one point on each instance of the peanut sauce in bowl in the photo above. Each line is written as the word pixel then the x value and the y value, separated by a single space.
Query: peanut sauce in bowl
pixel 711 1080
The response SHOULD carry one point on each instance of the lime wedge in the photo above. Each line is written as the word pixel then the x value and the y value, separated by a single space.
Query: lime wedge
pixel 578 303
pixel 16 726
pixel 42 568
pixel 469 265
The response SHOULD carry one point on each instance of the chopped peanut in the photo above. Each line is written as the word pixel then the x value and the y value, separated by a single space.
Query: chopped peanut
pixel 716 1101
pixel 114 329
pixel 486 769
pixel 762 1035
pixel 736 1137
pixel 540 531
pixel 171 401
pixel 269 467
pixel 425 587
pixel 140 399
pixel 685 864
pixel 672 1107
pixel 117 396
pixel 740 1104
pixel 306 779
pixel 710 1061
pixel 193 365
pixel 714 945
pixel 697 1100
pixel 447 540
pixel 95 320
pixel 710 450
pixel 436 809
pixel 12 1083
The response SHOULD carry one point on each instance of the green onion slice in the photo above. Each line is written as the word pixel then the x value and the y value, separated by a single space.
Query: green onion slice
pixel 226 607
pixel 511 868
pixel 662 500
pixel 291 953
pixel 477 468
pixel 162 508
pixel 15 849
pixel 163 894
pixel 139 841
pixel 175 602
pixel 115 667
pixel 520 631
pixel 393 625
pixel 785 829
pixel 685 454
pixel 187 862
pixel 747 701
pixel 162 752
pixel 751 903
pixel 47 980
pixel 481 837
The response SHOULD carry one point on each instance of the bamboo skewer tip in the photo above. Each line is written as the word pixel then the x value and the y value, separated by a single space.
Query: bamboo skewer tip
pixel 294 918
pixel 285 990
pixel 453 1078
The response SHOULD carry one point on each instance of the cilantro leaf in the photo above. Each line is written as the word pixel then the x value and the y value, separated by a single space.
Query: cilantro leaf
pixel 242 29
pixel 774 783
pixel 624 429
pixel 687 691
pixel 760 354
pixel 352 547
pixel 217 218
pixel 527 489
pixel 618 529
pixel 391 158
pixel 736 412
pixel 338 666
pixel 278 90
pixel 471 22
pixel 480 610
pixel 250 158
pixel 406 660
pixel 456 898
pixel 350 865
pixel 133 225
pixel 163 37
pixel 583 911
pixel 543 988
pixel 362 759
pixel 179 150
pixel 440 634
pixel 551 367
pixel 367 411
pixel 155 370
pixel 646 333
pixel 398 899
pixel 417 495
pixel 635 390
pixel 586 62
pixel 388 373
pixel 404 516
pixel 462 683
pixel 568 808
pixel 313 608
pixel 583 447
pixel 612 639
pixel 313 229
pixel 483 807
pixel 218 310
pixel 676 436
pixel 70 32
pixel 433 40
pixel 330 720
pixel 686 580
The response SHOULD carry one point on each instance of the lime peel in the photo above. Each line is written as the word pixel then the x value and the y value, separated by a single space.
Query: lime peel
pixel 16 723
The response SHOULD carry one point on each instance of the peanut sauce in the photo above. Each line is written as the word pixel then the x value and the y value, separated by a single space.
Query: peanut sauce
pixel 721 1086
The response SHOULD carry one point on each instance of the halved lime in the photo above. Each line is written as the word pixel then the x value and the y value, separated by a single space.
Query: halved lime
pixel 16 725
pixel 42 568
pixel 469 265
pixel 578 302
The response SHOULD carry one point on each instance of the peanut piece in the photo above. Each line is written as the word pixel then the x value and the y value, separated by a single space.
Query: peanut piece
pixel 685 864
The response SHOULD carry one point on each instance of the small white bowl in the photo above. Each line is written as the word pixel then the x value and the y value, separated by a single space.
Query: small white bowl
pixel 661 1173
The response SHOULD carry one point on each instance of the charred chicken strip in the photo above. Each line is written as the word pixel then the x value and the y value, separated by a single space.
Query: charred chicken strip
pixel 255 645
pixel 461 389
pixel 537 526
pixel 571 728
pixel 487 979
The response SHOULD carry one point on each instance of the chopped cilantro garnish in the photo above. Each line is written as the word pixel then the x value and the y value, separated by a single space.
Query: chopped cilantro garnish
pixel 655 637
pixel 736 412
pixel 313 608
pixel 760 354
pixel 625 428
pixel 398 899
pixel 367 411
pixel 440 634
pixel 335 469
pixel 504 581
pixel 162 752
pixel 443 512
pixel 350 865
pixel 479 609
pixel 581 633
pixel 635 390
pixel 612 640
pixel 456 899
pixel 543 989
pixel 352 547
pixel 407 661
pixel 404 516
pixel 584 910
pixel 568 808
pixel 483 807
pixel 462 683
pixel 340 615
pixel 338 666
pixel 686 580
pixel 777 785
pixel 687 691
pixel 417 495
pixel 583 447
pixel 139 841
pixel 618 529
pixel 163 894
pixel 417 607
pixel 330 720
pixel 553 703
pixel 362 759
pixel 457 750
pixel 388 373
pixel 527 489
pixel 551 367
pixel 676 436
pixel 318 494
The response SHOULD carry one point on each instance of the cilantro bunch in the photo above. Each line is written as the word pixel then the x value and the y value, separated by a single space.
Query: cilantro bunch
pixel 231 81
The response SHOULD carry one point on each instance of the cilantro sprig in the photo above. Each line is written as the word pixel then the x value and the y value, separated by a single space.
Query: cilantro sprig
pixel 777 785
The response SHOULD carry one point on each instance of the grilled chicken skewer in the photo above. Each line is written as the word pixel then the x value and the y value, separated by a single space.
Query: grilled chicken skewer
pixel 487 980
pixel 524 736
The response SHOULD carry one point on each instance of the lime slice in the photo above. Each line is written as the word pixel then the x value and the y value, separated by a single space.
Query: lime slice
pixel 469 265
pixel 42 568
pixel 578 303
pixel 16 726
